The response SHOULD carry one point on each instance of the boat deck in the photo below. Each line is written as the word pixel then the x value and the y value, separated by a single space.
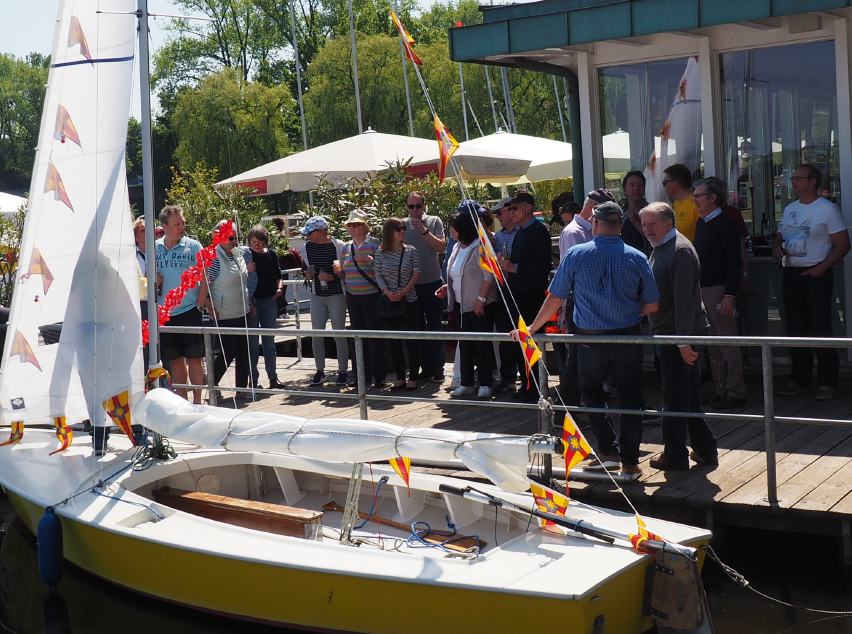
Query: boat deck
pixel 814 462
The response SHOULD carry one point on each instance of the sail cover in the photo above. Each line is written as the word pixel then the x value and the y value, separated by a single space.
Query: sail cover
pixel 502 459
pixel 74 337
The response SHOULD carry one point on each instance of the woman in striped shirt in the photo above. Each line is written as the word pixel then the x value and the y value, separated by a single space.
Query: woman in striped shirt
pixel 358 271
pixel 396 280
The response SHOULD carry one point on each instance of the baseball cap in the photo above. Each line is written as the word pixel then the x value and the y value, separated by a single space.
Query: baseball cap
pixel 503 202
pixel 523 197
pixel 601 195
pixel 317 222
pixel 608 212
pixel 467 205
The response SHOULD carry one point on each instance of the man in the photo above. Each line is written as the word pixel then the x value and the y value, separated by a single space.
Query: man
pixel 813 237
pixel 613 286
pixel 579 230
pixel 426 234
pixel 681 312
pixel 633 186
pixel 503 318
pixel 717 242
pixel 527 269
pixel 678 186
pixel 176 254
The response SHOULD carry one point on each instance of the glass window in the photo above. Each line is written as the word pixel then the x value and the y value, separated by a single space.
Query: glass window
pixel 780 110
pixel 650 118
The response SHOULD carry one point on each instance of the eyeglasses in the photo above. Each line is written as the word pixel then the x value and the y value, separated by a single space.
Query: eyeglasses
pixel 699 195
pixel 666 182
pixel 232 238
pixel 514 207
pixel 417 206
pixel 799 178
pixel 399 229
pixel 349 225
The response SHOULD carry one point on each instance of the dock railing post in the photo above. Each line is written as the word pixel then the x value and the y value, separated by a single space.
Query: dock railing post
pixel 362 379
pixel 769 423
pixel 298 321
pixel 545 413
pixel 208 360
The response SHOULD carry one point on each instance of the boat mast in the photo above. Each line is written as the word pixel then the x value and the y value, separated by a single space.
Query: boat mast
pixel 148 187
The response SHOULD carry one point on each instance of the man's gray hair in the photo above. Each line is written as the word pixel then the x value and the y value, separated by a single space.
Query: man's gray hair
pixel 715 187
pixel 588 202
pixel 664 210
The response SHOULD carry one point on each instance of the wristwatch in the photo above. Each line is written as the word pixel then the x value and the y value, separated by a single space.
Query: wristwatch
pixel 425 232
pixel 481 298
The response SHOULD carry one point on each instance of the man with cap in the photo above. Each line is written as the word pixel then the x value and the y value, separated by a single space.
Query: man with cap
pixel 503 319
pixel 613 286
pixel 527 269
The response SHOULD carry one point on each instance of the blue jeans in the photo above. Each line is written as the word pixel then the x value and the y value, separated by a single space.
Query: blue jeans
pixel 267 313
pixel 594 363
pixel 432 310
pixel 682 393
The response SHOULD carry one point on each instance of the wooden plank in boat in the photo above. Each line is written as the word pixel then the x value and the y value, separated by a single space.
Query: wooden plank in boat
pixel 261 516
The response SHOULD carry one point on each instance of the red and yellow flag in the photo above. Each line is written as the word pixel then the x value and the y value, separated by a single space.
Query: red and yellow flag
pixel 64 128
pixel 531 351
pixel 407 40
pixel 53 183
pixel 446 144
pixel 574 445
pixel 16 435
pixel 21 348
pixel 487 257
pixel 63 433
pixel 118 409
pixel 642 536
pixel 402 466
pixel 76 36
pixel 39 267
pixel 549 501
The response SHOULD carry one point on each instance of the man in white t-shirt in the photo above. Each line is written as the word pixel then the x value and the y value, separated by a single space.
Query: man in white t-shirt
pixel 814 238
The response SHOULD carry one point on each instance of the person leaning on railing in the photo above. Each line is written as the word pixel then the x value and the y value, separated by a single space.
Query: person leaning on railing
pixel 397 272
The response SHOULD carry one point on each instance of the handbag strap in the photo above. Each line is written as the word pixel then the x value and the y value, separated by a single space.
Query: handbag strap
pixel 364 275
pixel 399 285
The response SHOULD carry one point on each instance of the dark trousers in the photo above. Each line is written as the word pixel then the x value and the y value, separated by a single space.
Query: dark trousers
pixel 362 316
pixel 569 378
pixel 807 303
pixel 594 363
pixel 477 353
pixel 234 347
pixel 682 393
pixel 431 312
pixel 410 321
pixel 506 321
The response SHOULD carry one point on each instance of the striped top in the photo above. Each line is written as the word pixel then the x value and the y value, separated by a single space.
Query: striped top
pixel 353 281
pixel 322 257
pixel 215 265
pixel 387 265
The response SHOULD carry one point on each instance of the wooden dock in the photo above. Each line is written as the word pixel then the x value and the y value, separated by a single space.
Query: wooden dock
pixel 814 462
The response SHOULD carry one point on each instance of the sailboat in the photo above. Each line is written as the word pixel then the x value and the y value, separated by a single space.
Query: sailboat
pixel 243 518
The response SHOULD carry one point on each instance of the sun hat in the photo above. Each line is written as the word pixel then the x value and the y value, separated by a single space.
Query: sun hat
pixel 356 215
pixel 313 224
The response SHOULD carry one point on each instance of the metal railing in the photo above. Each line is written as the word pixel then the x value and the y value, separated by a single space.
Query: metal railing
pixel 545 423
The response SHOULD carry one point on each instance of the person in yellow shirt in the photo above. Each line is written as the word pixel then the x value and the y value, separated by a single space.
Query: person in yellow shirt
pixel 678 185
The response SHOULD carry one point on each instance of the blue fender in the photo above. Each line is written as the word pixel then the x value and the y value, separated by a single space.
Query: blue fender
pixel 50 555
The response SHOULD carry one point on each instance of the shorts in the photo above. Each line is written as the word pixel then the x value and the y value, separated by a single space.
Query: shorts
pixel 174 345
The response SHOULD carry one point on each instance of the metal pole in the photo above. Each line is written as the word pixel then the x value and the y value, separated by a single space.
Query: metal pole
pixel 475 120
pixel 544 422
pixel 212 396
pixel 298 321
pixel 463 100
pixel 299 88
pixel 559 110
pixel 355 69
pixel 769 424
pixel 362 378
pixel 507 96
pixel 491 99
pixel 407 93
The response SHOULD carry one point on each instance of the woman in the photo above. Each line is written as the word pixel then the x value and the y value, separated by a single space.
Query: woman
pixel 358 271
pixel 229 303
pixel 327 298
pixel 471 293
pixel 265 299
pixel 397 271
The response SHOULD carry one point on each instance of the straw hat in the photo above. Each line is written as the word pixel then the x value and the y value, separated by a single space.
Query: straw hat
pixel 356 215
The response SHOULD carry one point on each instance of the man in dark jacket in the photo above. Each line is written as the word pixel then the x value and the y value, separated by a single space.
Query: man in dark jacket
pixel 681 312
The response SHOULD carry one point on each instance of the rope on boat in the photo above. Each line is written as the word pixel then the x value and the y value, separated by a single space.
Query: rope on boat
pixel 741 581
pixel 416 540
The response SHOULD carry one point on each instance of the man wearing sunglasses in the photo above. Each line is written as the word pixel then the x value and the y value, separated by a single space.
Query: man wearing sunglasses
pixel 426 234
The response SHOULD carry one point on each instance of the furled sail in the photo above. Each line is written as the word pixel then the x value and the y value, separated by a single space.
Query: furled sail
pixel 74 337
pixel 502 459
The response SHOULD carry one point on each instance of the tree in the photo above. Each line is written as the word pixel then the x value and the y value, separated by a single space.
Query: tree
pixel 22 90
pixel 232 124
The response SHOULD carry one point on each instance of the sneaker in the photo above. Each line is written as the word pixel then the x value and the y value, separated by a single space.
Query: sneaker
pixel 484 392
pixel 608 462
pixel 454 385
pixel 275 384
pixel 659 462
pixel 463 391
pixel 342 379
pixel 792 388
pixel 825 393
pixel 705 462
pixel 318 379
pixel 632 470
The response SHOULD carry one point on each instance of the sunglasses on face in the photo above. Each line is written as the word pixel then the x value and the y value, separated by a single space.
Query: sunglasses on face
pixel 417 206
pixel 400 229
pixel 666 182
pixel 514 207
pixel 232 238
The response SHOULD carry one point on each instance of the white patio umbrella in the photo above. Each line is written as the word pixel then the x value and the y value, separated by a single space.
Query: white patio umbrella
pixel 548 159
pixel 10 205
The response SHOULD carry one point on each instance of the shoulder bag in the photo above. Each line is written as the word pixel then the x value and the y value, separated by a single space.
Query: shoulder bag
pixel 386 310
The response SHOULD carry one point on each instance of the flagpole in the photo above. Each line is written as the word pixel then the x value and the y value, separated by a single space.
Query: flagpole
pixel 464 110
pixel 559 110
pixel 405 77
pixel 299 87
pixel 507 95
pixel 355 69
pixel 491 99
pixel 475 120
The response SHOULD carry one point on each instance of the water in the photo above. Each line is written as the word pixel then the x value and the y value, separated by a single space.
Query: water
pixel 797 569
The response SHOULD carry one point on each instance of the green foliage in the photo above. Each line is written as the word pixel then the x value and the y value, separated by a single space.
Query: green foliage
pixel 383 196
pixel 204 205
pixel 11 232
pixel 231 124
pixel 22 89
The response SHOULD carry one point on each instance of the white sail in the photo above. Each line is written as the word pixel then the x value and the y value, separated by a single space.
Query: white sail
pixel 502 459
pixel 77 270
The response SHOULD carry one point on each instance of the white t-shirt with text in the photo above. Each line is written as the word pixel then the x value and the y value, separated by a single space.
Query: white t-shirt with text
pixel 806 230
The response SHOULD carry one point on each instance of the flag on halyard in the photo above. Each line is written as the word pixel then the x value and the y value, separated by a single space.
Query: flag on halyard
pixel 63 433
pixel 549 501
pixel 574 445
pixel 16 435
pixel 21 348
pixel 642 536
pixel 446 144
pixel 487 256
pixel 407 40
pixel 531 352
pixel 118 409
pixel 402 466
